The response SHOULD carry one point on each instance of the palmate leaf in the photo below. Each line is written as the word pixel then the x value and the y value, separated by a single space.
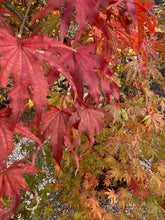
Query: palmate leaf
pixel 153 119
pixel 54 124
pixel 19 61
pixel 81 66
pixel 11 182
pixel 83 12
pixel 88 120
pixel 112 196
pixel 96 211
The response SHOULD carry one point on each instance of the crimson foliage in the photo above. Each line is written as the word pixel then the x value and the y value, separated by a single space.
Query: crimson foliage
pixel 30 65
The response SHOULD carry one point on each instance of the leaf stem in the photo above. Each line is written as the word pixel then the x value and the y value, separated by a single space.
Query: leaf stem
pixel 23 22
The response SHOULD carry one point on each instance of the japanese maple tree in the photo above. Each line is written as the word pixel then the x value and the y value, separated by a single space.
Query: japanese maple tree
pixel 85 68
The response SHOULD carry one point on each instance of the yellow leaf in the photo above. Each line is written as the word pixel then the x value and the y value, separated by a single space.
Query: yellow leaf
pixel 112 196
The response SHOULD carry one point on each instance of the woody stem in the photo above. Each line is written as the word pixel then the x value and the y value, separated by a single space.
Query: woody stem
pixel 23 22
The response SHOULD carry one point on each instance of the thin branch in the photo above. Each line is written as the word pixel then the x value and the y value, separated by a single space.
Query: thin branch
pixel 23 23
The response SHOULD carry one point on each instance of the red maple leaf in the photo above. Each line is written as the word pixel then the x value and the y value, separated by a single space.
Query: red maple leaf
pixel 20 61
pixel 143 21
pixel 54 124
pixel 135 187
pixel 11 182
pixel 82 14
pixel 81 66
pixel 89 120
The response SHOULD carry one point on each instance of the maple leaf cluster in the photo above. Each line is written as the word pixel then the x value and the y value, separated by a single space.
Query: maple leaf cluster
pixel 31 64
